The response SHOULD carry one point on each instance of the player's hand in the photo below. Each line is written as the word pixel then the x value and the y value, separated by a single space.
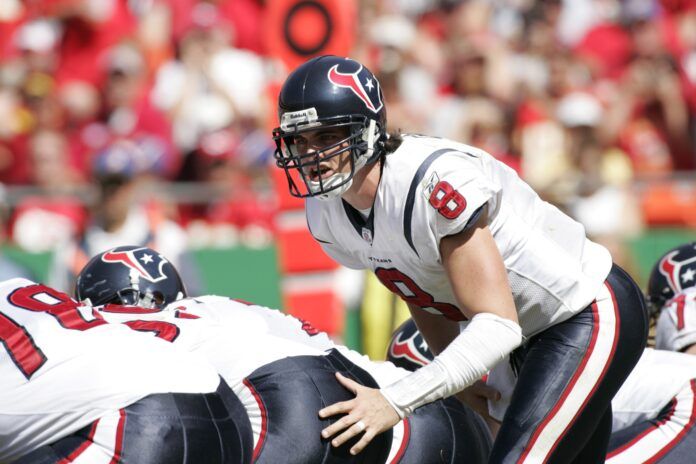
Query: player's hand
pixel 477 395
pixel 368 412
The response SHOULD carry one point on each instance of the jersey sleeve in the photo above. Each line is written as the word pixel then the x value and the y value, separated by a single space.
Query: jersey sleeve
pixel 455 189
pixel 676 325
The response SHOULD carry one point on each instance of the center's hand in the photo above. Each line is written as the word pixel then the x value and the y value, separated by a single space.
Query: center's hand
pixel 368 412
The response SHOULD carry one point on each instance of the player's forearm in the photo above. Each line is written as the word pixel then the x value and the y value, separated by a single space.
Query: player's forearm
pixel 485 342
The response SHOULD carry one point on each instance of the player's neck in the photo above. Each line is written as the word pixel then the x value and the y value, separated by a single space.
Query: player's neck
pixel 361 194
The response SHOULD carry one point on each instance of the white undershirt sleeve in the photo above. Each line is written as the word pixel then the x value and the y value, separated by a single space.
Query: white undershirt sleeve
pixel 485 341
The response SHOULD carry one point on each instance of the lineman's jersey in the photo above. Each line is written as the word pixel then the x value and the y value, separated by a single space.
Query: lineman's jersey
pixel 676 324
pixel 431 188
pixel 238 337
pixel 62 367
pixel 657 378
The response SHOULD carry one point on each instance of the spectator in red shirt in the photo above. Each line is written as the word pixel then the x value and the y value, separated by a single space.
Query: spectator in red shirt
pixel 127 111
pixel 649 117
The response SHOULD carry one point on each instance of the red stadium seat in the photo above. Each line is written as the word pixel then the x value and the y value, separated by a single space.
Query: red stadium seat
pixel 670 203
pixel 299 252
pixel 286 202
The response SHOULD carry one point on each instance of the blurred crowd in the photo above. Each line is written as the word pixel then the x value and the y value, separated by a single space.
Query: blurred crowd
pixel 105 103
pixel 580 96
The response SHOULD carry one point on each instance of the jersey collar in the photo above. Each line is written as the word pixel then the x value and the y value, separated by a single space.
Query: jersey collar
pixel 364 227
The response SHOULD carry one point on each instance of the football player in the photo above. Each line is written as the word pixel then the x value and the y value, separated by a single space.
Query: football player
pixel 281 368
pixel 672 299
pixel 653 414
pixel 483 263
pixel 78 389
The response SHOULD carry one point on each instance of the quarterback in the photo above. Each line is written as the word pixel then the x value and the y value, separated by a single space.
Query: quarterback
pixel 486 267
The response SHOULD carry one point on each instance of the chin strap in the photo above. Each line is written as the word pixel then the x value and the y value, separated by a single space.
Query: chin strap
pixel 369 135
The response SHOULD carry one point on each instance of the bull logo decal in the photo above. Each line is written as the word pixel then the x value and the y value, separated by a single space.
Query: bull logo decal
pixel 676 271
pixel 141 261
pixel 362 83
pixel 413 348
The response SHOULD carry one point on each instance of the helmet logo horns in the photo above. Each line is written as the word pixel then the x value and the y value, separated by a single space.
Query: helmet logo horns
pixel 409 349
pixel 672 270
pixel 148 265
pixel 368 93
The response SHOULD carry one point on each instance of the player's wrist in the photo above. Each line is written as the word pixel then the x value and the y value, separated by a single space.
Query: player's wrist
pixel 423 386
pixel 486 341
pixel 402 413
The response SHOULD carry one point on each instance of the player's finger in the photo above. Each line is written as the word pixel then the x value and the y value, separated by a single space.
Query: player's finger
pixel 363 442
pixel 349 433
pixel 336 408
pixel 350 384
pixel 333 429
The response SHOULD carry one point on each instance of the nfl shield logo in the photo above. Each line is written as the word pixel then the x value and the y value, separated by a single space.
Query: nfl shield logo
pixel 367 235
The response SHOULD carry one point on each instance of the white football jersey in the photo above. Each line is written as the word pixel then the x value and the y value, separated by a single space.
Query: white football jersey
pixel 238 337
pixel 657 378
pixel 676 324
pixel 432 188
pixel 62 367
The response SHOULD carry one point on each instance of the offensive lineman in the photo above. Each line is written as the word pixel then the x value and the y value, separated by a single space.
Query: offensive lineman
pixel 78 389
pixel 276 365
pixel 672 299
pixel 653 413
pixel 456 233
